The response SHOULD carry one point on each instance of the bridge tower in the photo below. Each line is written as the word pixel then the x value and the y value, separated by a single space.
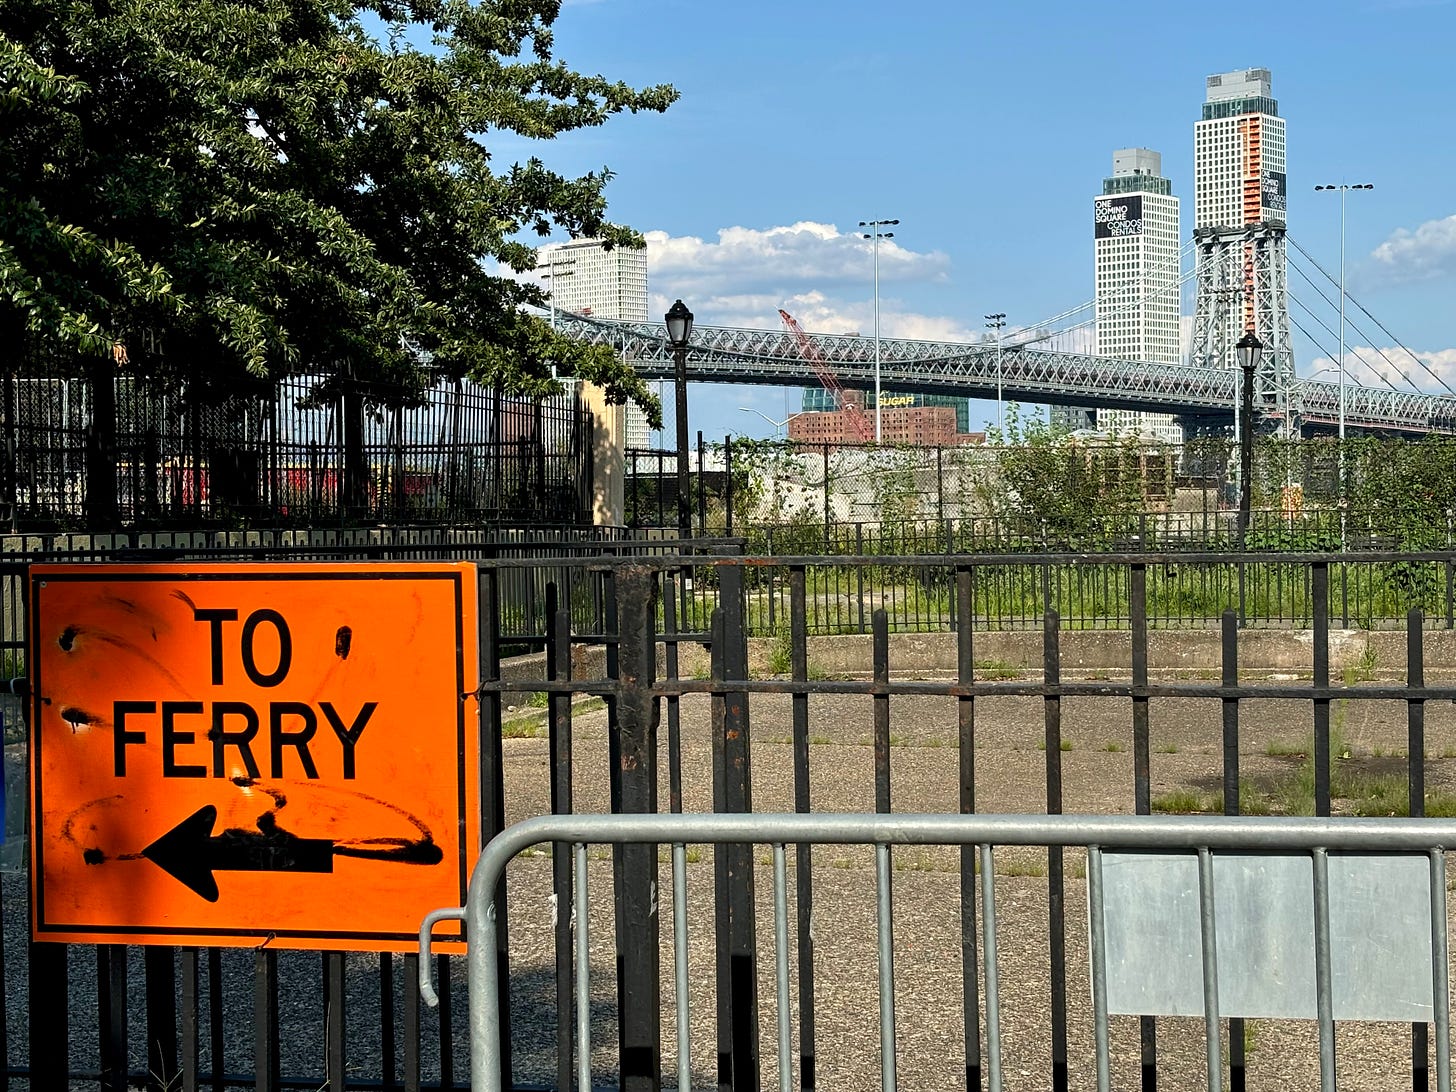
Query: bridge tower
pixel 1242 285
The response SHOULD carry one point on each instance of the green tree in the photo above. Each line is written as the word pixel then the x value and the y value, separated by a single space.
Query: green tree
pixel 225 190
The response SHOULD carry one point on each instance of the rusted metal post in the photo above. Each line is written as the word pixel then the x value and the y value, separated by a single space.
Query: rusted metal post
pixel 639 999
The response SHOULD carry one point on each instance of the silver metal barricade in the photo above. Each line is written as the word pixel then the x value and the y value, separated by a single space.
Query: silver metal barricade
pixel 1175 883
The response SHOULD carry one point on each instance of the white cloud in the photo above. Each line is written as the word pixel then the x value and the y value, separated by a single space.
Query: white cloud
pixel 1428 251
pixel 781 261
pixel 1369 367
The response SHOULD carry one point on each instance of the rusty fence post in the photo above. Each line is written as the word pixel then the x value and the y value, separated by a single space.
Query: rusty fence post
pixel 639 996
pixel 733 864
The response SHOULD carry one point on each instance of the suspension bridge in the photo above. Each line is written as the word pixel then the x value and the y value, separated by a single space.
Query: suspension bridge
pixel 1231 267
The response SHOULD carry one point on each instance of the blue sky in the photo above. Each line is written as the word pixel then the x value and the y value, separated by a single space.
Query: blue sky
pixel 986 129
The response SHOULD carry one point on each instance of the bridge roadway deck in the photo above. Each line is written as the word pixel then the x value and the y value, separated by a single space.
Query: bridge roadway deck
pixel 1027 374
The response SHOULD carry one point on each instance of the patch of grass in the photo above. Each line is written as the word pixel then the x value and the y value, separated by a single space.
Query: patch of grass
pixel 819 740
pixel 1363 669
pixel 921 861
pixel 523 728
pixel 997 670
pixel 1167 748
pixel 1251 1036
pixel 1181 802
pixel 693 854
pixel 1112 746
pixel 842 862
pixel 1281 748
pixel 538 699
pixel 1023 868
pixel 1063 745
pixel 1066 744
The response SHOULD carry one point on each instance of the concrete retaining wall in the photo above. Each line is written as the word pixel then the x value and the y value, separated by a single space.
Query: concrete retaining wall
pixel 1378 653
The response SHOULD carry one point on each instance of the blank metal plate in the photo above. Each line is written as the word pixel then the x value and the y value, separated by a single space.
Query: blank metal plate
pixel 1380 935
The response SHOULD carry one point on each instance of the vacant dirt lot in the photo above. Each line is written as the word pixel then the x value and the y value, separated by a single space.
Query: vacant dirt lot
pixel 1010 777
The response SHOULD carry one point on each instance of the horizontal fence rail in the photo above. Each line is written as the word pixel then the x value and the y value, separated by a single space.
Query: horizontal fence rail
pixel 1428 840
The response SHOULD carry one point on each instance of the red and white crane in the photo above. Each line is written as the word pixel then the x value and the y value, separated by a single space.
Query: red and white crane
pixel 859 421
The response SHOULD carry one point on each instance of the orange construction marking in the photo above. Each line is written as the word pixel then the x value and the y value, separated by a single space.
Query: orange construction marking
pixel 249 754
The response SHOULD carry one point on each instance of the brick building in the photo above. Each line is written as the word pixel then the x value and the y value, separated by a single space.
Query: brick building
pixel 915 426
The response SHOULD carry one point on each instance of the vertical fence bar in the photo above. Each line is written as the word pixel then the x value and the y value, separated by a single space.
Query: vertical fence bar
pixel 217 1046
pixel 1320 579
pixel 885 938
pixel 558 669
pixel 993 976
pixel 738 797
pixel 966 731
pixel 1415 708
pixel 335 1002
pixel 191 1018
pixel 410 1070
pixel 1323 972
pixel 880 624
pixel 1098 932
pixel 162 1018
pixel 583 973
pixel 266 1063
pixel 111 1016
pixel 493 818
pixel 680 969
pixel 387 1044
pixel 1440 971
pixel 1229 679
pixel 722 910
pixel 781 970
pixel 1056 884
pixel 639 1028
pixel 674 703
pixel 1142 776
pixel 803 860
pixel 447 1017
pixel 1208 946
pixel 49 1015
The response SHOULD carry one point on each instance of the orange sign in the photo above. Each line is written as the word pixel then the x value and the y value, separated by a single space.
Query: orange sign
pixel 249 754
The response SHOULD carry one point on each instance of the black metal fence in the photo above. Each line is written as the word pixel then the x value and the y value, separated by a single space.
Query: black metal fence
pixel 215 1019
pixel 299 453
pixel 741 701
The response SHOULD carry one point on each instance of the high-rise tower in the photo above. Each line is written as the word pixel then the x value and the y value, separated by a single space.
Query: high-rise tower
pixel 583 278
pixel 1239 194
pixel 1136 244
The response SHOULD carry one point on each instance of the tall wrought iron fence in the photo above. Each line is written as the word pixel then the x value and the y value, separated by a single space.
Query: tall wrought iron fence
pixel 299 453
pixel 741 701
pixel 204 1018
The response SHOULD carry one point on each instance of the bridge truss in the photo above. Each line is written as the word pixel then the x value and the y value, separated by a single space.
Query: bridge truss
pixel 721 354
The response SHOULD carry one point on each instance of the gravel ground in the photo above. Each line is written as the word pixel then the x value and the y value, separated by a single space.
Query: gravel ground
pixel 1010 778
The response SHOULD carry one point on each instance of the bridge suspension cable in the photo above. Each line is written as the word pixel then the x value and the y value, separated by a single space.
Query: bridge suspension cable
pixel 1383 329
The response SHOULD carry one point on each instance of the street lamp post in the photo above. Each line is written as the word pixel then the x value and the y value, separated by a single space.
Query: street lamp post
pixel 1249 348
pixel 1344 188
pixel 997 322
pixel 876 234
pixel 679 330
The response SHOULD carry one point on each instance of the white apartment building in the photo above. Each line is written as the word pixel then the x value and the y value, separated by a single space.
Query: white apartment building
pixel 1239 170
pixel 583 278
pixel 1136 243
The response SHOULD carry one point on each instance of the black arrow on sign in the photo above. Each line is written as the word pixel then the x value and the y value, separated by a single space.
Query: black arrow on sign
pixel 190 853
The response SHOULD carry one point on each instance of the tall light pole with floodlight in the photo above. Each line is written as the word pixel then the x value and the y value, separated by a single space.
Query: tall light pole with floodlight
pixel 781 425
pixel 1344 188
pixel 679 329
pixel 997 322
pixel 876 234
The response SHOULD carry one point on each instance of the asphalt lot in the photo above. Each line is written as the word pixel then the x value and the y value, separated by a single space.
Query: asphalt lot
pixel 1010 777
